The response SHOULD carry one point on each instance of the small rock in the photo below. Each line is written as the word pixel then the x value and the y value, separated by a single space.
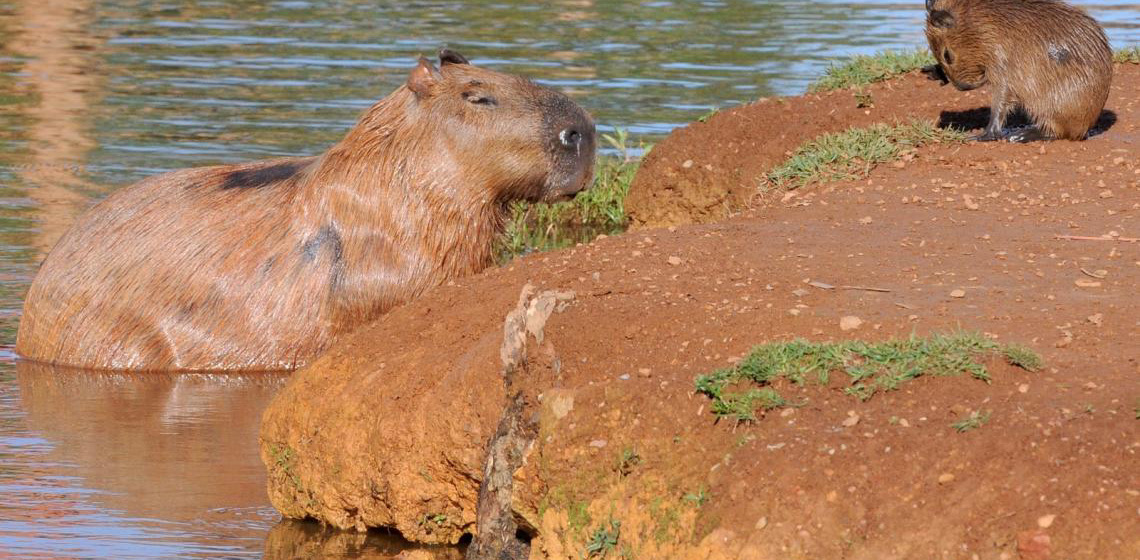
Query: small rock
pixel 794 312
pixel 945 477
pixel 904 423
pixel 865 220
pixel 1106 194
pixel 959 293
pixel 969 202
pixel 851 420
pixel 688 163
pixel 1023 388
pixel 833 496
pixel 624 377
pixel 1084 283
pixel 674 261
pixel 1033 545
pixel 761 523
pixel 599 443
pixel 1045 521
pixel 849 323
pixel 799 292
pixel 787 412
pixel 1097 319
pixel 644 372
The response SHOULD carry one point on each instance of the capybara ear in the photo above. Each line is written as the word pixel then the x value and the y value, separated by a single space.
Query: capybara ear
pixel 942 19
pixel 448 56
pixel 930 5
pixel 422 78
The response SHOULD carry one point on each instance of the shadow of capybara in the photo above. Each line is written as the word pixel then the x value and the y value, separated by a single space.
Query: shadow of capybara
pixel 259 266
pixel 1043 55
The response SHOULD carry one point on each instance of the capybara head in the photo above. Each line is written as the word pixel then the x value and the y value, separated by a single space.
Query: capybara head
pixel 956 43
pixel 527 141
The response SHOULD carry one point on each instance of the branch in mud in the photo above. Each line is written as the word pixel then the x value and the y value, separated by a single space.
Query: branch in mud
pixel 498 532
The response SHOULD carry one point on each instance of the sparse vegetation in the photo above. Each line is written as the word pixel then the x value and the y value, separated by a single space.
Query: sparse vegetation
pixel 284 458
pixel 627 460
pixel 862 70
pixel 603 541
pixel 973 420
pixel 597 210
pixel 870 368
pixel 705 117
pixel 853 153
pixel 698 498
pixel 1127 55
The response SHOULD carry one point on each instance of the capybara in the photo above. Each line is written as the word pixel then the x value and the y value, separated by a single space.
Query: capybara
pixel 1044 56
pixel 259 266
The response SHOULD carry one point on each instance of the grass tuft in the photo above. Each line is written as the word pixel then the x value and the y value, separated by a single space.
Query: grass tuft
pixel 1128 55
pixel 870 368
pixel 973 420
pixel 1022 357
pixel 853 153
pixel 603 541
pixel 862 70
pixel 597 210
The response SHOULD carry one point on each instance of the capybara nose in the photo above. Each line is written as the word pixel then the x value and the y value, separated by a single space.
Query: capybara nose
pixel 570 138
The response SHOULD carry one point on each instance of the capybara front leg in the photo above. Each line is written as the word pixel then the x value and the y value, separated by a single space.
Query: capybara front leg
pixel 998 109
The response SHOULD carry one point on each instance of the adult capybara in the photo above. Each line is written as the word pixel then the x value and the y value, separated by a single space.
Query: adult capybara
pixel 261 265
pixel 1047 57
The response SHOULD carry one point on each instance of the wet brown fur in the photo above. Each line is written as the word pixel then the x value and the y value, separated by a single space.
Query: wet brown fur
pixel 1045 56
pixel 261 265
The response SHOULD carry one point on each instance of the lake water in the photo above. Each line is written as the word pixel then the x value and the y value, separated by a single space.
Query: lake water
pixel 95 94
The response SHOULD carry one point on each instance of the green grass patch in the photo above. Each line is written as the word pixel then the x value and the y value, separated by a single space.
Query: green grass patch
pixel 870 368
pixel 862 69
pixel 597 210
pixel 1128 55
pixel 852 154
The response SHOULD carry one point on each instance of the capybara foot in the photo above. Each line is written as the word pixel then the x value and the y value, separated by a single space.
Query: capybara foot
pixel 989 136
pixel 1029 134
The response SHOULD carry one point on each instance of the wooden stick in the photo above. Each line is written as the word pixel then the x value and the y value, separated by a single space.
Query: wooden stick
pixel 1100 238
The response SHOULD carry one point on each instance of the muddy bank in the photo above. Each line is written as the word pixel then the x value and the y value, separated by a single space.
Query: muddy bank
pixel 390 427
pixel 706 171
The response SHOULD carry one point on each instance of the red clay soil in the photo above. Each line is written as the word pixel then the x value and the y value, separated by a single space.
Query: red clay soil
pixel 394 420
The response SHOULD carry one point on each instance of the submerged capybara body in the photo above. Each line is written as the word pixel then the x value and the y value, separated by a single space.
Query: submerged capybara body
pixel 260 265
pixel 1045 56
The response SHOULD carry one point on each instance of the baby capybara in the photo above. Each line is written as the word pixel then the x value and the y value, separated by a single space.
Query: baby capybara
pixel 261 265
pixel 1047 57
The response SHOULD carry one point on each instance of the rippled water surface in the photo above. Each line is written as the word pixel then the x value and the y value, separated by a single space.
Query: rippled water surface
pixel 95 94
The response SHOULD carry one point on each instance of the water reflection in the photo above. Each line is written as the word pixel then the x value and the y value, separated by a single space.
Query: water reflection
pixel 134 464
pixel 60 76
pixel 289 540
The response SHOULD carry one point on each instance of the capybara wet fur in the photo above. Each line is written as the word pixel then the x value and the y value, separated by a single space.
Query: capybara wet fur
pixel 1044 56
pixel 261 265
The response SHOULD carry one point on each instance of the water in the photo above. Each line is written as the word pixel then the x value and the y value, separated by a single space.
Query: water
pixel 95 94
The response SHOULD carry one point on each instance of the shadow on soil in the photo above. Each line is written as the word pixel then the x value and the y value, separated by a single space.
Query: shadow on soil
pixel 974 119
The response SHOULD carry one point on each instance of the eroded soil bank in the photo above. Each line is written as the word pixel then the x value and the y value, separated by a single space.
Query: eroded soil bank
pixel 390 427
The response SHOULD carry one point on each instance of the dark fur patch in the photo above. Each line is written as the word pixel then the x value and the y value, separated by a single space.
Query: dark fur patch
pixel 328 238
pixel 262 176
pixel 1060 55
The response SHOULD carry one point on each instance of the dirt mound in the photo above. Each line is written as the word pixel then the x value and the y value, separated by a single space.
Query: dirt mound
pixel 390 428
pixel 705 171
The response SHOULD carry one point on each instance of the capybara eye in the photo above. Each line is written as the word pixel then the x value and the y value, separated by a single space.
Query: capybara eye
pixel 478 99
pixel 947 56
